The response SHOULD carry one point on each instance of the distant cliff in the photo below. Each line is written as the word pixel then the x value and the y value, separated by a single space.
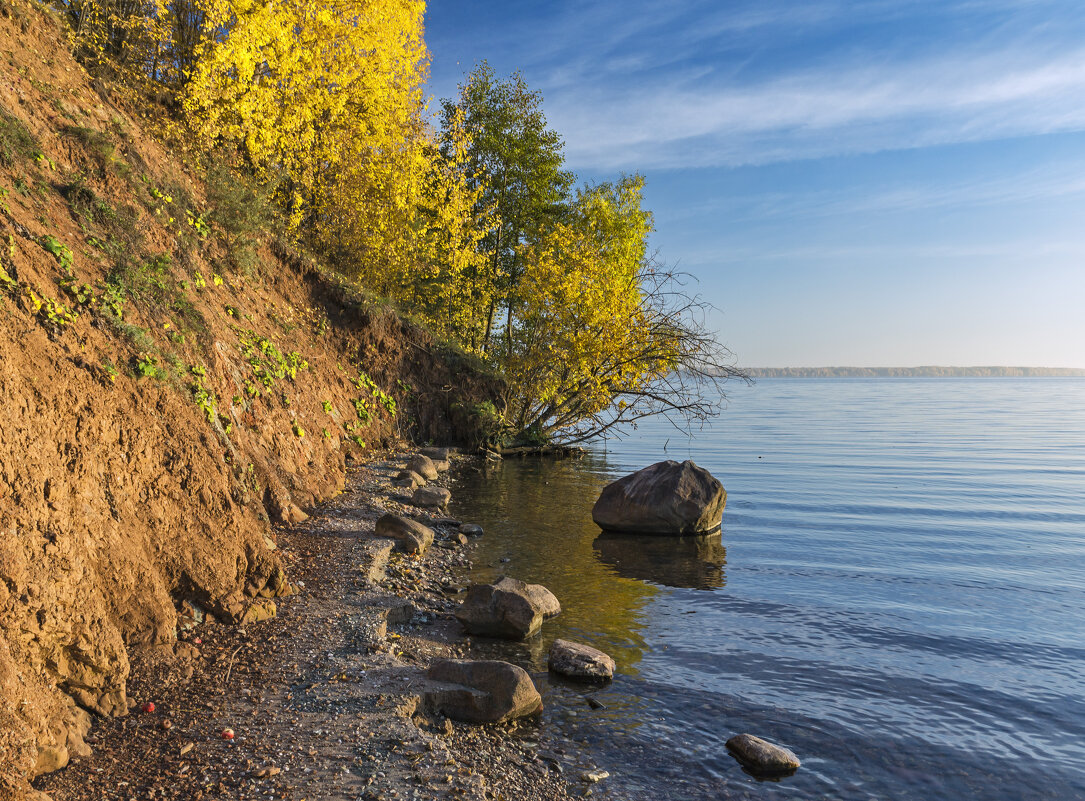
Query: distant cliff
pixel 915 372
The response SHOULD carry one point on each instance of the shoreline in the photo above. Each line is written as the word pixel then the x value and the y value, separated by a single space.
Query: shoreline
pixel 325 699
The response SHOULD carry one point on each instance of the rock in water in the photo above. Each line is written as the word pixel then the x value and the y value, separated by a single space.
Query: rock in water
pixel 579 661
pixel 509 609
pixel 471 529
pixel 410 535
pixel 431 496
pixel 422 465
pixel 488 691
pixel 761 756
pixel 665 498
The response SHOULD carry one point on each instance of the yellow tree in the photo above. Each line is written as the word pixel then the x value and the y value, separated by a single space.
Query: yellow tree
pixel 604 337
pixel 317 94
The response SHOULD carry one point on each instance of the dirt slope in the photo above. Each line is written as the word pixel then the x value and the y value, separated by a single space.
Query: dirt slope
pixel 172 376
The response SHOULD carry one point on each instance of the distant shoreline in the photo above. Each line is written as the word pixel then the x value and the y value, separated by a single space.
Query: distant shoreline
pixel 915 372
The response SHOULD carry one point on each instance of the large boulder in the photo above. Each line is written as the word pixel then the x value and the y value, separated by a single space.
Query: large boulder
pixel 410 535
pixel 484 692
pixel 431 496
pixel 509 609
pixel 761 756
pixel 666 498
pixel 436 454
pixel 579 661
pixel 422 465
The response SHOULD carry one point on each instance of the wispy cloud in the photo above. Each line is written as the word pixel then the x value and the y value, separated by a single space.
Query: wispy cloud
pixel 644 84
pixel 824 111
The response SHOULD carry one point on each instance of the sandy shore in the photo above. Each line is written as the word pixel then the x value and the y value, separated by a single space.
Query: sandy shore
pixel 324 699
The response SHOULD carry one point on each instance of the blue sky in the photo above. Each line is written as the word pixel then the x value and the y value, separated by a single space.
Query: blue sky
pixel 853 183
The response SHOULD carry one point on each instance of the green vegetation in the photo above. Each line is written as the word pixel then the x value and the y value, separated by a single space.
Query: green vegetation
pixel 15 140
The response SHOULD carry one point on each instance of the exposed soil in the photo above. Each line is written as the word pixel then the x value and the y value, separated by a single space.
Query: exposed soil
pixel 174 378
pixel 325 700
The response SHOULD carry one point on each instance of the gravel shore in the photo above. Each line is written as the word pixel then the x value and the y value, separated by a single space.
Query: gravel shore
pixel 323 701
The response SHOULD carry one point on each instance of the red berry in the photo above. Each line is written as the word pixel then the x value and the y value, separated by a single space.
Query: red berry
pixel 227 734
pixel 148 707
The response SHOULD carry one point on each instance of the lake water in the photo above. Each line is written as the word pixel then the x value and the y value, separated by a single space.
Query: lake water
pixel 898 595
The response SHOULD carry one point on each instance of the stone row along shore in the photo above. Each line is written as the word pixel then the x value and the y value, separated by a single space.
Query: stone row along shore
pixel 330 698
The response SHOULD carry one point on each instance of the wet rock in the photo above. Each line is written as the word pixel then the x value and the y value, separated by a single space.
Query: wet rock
pixel 471 529
pixel 436 454
pixel 484 692
pixel 761 756
pixel 579 661
pixel 431 496
pixel 410 535
pixel 509 609
pixel 594 776
pixel 666 498
pixel 422 465
pixel 408 479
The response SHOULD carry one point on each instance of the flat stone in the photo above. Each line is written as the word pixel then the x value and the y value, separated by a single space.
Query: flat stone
pixel 410 535
pixel 509 609
pixel 408 479
pixel 422 465
pixel 761 756
pixel 374 558
pixel 487 691
pixel 431 496
pixel 579 661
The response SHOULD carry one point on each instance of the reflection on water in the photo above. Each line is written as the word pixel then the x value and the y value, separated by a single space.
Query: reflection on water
pixel 537 516
pixel 905 573
pixel 693 562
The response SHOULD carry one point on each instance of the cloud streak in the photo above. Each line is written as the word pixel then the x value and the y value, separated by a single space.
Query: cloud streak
pixel 688 122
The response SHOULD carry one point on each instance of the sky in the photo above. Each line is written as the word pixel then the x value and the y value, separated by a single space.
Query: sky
pixel 851 183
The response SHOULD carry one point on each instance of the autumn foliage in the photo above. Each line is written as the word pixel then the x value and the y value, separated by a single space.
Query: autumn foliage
pixel 474 226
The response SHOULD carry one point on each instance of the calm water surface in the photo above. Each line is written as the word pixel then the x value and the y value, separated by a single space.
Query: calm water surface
pixel 898 594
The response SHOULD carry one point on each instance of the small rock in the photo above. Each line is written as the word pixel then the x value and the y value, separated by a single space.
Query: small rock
pixel 441 465
pixel 761 756
pixel 459 539
pixel 186 748
pixel 227 734
pixel 595 703
pixel 593 776
pixel 579 661
pixel 267 773
pixel 471 529
pixel 489 691
pixel 510 609
pixel 410 535
pixel 431 496
pixel 408 479
pixel 422 465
